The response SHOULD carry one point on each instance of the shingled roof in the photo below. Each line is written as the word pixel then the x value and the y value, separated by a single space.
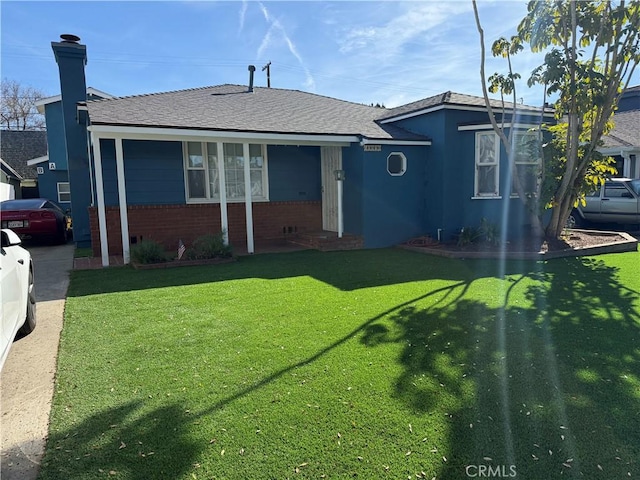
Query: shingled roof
pixel 18 146
pixel 233 108
pixel 450 99
pixel 626 132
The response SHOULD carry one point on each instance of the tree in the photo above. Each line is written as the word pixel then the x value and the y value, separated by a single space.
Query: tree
pixel 593 48
pixel 506 85
pixel 17 110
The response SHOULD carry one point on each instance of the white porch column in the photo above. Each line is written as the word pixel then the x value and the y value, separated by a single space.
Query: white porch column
pixel 340 213
pixel 102 217
pixel 122 200
pixel 224 221
pixel 247 197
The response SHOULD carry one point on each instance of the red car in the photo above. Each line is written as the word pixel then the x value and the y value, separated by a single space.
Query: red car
pixel 36 218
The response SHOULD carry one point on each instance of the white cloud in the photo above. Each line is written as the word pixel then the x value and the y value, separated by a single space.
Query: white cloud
pixel 411 26
pixel 243 14
pixel 276 27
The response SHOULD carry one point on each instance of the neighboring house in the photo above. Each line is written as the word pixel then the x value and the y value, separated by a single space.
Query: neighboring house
pixel 52 168
pixel 9 181
pixel 17 147
pixel 264 164
pixel 623 142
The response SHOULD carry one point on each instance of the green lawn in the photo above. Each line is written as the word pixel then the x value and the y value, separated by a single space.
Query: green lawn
pixel 367 364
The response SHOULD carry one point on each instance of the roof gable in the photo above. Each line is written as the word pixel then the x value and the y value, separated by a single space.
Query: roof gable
pixel 91 92
pixel 450 100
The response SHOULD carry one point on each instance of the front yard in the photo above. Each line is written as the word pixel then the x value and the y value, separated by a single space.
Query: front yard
pixel 365 364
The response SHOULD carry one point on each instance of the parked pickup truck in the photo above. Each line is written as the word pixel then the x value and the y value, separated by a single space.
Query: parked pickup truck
pixel 617 201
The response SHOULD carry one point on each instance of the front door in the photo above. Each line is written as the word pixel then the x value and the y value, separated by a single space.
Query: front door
pixel 330 161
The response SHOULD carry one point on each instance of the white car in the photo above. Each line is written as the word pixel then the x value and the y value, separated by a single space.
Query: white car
pixel 17 293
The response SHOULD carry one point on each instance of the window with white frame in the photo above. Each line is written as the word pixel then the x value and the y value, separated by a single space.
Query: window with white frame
pixel 64 192
pixel 487 164
pixel 203 175
pixel 527 151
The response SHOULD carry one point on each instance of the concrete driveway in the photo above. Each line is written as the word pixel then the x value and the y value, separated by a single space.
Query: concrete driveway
pixel 26 383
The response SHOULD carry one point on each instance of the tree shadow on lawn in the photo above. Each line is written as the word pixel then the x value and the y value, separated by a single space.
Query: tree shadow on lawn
pixel 345 270
pixel 122 441
pixel 551 388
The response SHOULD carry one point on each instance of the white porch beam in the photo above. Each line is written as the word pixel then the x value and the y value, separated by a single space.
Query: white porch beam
pixel 122 200
pixel 188 135
pixel 102 217
pixel 224 220
pixel 247 197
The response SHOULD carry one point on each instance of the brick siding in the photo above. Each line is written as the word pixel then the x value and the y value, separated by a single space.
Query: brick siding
pixel 272 221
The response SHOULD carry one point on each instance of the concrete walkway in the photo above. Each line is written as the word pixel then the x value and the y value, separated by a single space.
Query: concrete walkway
pixel 27 380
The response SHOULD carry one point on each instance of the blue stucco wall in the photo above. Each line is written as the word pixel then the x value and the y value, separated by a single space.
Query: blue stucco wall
pixel 630 100
pixel 352 191
pixel 450 177
pixel 47 181
pixel 55 135
pixel 48 185
pixel 393 207
pixel 153 172
pixel 434 195
pixel 294 173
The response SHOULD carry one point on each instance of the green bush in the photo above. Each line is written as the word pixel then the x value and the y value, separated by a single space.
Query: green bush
pixel 487 232
pixel 148 251
pixel 209 246
pixel 490 232
pixel 467 236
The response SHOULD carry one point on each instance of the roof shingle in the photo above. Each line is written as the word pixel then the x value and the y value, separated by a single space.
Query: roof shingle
pixel 233 108
pixel 18 146
pixel 452 99
pixel 626 132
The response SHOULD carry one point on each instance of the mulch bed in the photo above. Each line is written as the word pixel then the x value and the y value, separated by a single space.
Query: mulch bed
pixel 573 242
pixel 182 263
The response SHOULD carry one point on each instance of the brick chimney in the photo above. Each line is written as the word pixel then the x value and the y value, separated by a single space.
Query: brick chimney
pixel 71 57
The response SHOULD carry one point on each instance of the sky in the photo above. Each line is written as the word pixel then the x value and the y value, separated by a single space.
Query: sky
pixel 388 52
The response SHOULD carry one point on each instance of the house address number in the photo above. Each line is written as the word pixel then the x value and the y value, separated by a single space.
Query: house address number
pixel 373 148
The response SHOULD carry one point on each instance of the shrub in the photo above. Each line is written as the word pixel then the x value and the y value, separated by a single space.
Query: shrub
pixel 209 246
pixel 490 232
pixel 148 251
pixel 467 236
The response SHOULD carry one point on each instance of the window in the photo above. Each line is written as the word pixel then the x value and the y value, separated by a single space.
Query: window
pixel 528 158
pixel 203 177
pixel 616 190
pixel 195 171
pixel 487 164
pixel 64 192
pixel 396 164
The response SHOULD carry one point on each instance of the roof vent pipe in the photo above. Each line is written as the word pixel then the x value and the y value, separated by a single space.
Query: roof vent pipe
pixel 251 70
